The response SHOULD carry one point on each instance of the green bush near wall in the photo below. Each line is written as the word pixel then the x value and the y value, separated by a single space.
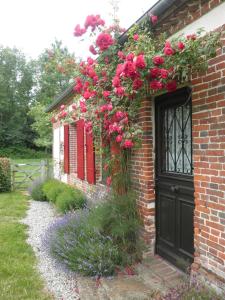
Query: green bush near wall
pixel 64 197
pixel 5 175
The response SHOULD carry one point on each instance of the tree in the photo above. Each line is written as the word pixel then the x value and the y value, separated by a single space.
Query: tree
pixel 16 93
pixel 55 69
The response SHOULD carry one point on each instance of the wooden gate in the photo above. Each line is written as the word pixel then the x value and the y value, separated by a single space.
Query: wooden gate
pixel 23 174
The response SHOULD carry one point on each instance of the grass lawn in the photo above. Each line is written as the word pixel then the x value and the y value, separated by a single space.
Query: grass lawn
pixel 19 279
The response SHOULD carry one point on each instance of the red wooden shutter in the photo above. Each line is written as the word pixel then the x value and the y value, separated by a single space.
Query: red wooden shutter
pixel 80 149
pixel 90 158
pixel 66 149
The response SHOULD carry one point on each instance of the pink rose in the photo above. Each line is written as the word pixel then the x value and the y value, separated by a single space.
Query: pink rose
pixel 154 19
pixel 104 41
pixel 62 107
pixel 171 86
pixel 109 180
pixel 136 37
pixel 180 45
pixel 119 138
pixel 128 144
pixel 140 61
pixel 137 84
pixel 158 60
pixel 154 72
pixel 156 85
pixel 164 73
pixel 116 81
pixel 92 50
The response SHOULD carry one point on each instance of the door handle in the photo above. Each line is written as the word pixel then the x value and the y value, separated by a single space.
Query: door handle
pixel 174 188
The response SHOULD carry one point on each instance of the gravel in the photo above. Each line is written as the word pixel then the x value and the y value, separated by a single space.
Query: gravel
pixel 60 283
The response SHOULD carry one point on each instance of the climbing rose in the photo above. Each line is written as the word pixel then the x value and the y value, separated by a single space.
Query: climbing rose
pixel 83 107
pixel 121 55
pixel 120 91
pixel 116 81
pixel 154 72
pixel 164 73
pixel 129 69
pixel 78 85
pixel 168 49
pixel 62 107
pixel 137 84
pixel 171 86
pixel 78 31
pixel 180 45
pixel 119 138
pixel 130 57
pixel 106 94
pixel 92 50
pixel 119 69
pixel 109 106
pixel 63 114
pixel 128 144
pixel 136 37
pixel 53 120
pixel 140 61
pixel 109 180
pixel 156 85
pixel 158 60
pixel 87 95
pixel 104 41
pixel 154 19
pixel 88 126
pixel 119 115
pixel 93 21
pixel 90 61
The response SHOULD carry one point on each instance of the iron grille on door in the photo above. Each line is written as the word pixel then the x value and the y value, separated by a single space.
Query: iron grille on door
pixel 176 151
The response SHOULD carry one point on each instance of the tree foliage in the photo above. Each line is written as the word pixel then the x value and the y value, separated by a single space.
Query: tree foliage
pixel 16 94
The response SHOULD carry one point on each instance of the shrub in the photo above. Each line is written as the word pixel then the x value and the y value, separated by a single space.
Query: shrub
pixel 70 199
pixel 5 175
pixel 81 247
pixel 118 217
pixel 52 188
pixel 36 190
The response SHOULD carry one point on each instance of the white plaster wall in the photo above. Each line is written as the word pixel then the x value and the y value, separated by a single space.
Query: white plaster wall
pixel 210 21
pixel 56 153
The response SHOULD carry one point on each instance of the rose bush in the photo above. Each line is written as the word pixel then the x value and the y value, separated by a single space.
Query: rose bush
pixel 108 89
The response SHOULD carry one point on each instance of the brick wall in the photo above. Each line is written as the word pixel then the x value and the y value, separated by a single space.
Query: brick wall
pixel 181 15
pixel 209 165
pixel 142 171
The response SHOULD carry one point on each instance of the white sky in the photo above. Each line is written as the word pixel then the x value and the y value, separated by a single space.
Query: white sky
pixel 32 25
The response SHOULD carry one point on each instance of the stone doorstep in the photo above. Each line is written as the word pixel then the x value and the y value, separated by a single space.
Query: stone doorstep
pixel 154 278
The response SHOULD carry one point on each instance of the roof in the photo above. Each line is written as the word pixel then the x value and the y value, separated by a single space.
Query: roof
pixel 158 9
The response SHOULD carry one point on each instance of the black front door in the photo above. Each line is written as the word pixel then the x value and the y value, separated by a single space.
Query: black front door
pixel 174 179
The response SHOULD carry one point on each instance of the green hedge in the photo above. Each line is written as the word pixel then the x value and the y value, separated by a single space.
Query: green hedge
pixel 21 152
pixel 5 175
pixel 65 197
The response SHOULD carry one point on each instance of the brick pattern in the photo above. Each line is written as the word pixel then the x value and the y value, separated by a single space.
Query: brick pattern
pixel 209 165
pixel 181 15
pixel 143 173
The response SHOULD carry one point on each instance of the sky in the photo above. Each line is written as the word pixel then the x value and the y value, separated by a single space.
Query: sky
pixel 32 25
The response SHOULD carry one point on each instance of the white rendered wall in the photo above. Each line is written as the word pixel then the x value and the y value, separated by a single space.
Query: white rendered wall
pixel 56 153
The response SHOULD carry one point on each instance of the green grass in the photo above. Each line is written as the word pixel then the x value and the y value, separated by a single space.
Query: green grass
pixel 19 279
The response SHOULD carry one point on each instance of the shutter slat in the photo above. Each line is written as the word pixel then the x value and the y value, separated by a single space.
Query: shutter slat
pixel 66 149
pixel 90 158
pixel 80 149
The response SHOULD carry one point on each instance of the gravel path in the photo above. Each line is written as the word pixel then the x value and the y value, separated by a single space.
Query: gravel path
pixel 61 284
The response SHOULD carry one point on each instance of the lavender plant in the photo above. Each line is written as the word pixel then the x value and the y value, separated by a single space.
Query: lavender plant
pixel 80 247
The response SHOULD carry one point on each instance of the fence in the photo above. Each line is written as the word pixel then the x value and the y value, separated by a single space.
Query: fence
pixel 23 174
